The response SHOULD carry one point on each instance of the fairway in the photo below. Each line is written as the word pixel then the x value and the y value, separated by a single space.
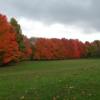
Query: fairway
pixel 51 80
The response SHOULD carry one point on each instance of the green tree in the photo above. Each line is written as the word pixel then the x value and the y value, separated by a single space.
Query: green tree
pixel 97 48
pixel 19 36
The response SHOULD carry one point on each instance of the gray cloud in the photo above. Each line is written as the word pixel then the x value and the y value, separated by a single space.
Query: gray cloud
pixel 83 13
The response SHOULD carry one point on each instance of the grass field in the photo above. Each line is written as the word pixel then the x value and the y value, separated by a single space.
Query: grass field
pixel 51 80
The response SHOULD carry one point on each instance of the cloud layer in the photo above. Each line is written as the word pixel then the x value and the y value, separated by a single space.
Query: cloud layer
pixel 81 13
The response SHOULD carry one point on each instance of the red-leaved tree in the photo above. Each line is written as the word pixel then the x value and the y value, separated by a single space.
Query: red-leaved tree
pixel 8 46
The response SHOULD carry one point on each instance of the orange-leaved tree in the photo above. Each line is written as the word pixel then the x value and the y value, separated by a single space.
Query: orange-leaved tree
pixel 8 46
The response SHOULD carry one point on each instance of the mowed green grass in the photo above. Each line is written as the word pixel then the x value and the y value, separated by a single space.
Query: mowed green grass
pixel 51 80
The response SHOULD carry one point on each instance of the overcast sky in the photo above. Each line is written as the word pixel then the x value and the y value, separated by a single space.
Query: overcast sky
pixel 76 19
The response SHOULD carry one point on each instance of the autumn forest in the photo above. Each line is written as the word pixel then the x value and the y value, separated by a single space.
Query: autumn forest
pixel 15 47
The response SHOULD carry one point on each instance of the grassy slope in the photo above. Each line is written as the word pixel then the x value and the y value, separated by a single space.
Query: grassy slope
pixel 51 80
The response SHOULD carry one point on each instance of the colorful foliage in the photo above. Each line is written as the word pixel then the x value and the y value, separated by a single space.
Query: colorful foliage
pixel 8 46
pixel 14 46
pixel 58 49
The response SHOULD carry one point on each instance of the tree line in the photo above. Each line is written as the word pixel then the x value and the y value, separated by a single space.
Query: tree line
pixel 15 47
